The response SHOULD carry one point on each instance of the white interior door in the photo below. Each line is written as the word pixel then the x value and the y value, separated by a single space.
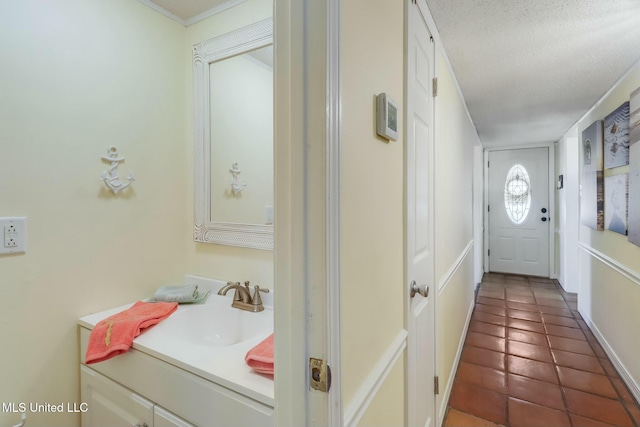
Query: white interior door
pixel 519 211
pixel 419 223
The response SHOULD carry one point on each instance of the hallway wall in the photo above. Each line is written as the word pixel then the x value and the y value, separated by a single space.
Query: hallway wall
pixel 455 139
pixel 609 278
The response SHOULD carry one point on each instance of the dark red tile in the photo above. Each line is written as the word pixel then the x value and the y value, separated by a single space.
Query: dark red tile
pixel 564 312
pixel 492 293
pixel 526 325
pixel 489 342
pixel 529 351
pixel 551 302
pixel 587 381
pixel 527 414
pixel 579 421
pixel 524 315
pixel 479 402
pixel 563 331
pixel 623 391
pixel 535 391
pixel 577 361
pixel 482 376
pixel 491 309
pixel 634 411
pixel 517 277
pixel 559 320
pixel 487 328
pixel 489 318
pixel 573 346
pixel 597 407
pixel 519 290
pixel 532 369
pixel 609 368
pixel 491 301
pixel 521 306
pixel 547 295
pixel 524 299
pixel 483 357
pixel 527 336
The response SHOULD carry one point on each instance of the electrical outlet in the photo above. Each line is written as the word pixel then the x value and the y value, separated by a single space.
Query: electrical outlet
pixel 14 235
pixel 268 215
pixel 10 236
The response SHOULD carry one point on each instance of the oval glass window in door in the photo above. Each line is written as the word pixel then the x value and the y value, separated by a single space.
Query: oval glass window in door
pixel 517 194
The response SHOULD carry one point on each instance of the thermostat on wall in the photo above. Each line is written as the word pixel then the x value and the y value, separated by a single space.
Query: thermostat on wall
pixel 387 120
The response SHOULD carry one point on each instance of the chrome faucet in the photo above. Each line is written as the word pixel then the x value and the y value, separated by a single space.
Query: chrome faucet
pixel 242 298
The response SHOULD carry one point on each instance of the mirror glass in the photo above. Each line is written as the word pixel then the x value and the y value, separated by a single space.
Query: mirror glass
pixel 241 120
pixel 233 137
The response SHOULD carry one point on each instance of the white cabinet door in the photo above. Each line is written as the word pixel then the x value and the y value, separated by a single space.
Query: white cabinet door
pixel 164 418
pixel 111 405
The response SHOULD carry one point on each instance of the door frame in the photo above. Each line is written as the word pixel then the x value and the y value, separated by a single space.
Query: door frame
pixel 307 215
pixel 552 201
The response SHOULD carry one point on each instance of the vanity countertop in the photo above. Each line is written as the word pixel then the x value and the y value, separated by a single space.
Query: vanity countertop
pixel 223 365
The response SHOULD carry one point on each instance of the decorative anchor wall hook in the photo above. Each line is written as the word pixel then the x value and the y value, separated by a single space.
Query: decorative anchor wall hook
pixel 110 176
pixel 235 185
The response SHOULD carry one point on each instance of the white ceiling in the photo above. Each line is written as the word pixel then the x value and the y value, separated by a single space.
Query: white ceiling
pixel 528 69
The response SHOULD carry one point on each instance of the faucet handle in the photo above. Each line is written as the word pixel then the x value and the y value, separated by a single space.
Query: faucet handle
pixel 256 300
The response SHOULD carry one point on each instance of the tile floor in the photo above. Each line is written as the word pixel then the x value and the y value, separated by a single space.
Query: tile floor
pixel 530 360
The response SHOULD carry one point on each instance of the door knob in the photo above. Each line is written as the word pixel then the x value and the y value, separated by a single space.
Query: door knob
pixel 543 210
pixel 544 219
pixel 422 290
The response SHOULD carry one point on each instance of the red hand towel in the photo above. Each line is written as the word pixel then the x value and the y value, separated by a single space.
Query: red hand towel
pixel 114 335
pixel 260 357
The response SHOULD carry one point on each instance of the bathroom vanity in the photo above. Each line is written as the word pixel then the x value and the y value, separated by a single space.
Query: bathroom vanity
pixel 188 370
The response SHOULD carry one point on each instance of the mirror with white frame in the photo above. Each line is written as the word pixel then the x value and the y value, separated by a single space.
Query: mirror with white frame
pixel 233 137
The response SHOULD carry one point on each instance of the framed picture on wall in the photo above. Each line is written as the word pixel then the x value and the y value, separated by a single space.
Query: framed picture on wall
pixel 615 208
pixel 592 199
pixel 634 169
pixel 616 137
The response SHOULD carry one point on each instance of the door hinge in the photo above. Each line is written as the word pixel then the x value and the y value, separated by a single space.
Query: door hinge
pixel 488 208
pixel 436 385
pixel 435 87
pixel 488 164
pixel 319 375
pixel 488 252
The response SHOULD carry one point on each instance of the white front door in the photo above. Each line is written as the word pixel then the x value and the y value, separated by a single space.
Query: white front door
pixel 419 181
pixel 519 211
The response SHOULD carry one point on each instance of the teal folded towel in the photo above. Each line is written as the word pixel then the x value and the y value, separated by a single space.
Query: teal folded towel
pixel 179 294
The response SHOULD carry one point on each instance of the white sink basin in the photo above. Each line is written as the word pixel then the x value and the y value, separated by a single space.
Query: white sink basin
pixel 215 323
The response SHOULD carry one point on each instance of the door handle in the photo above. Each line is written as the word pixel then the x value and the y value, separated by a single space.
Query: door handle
pixel 544 219
pixel 415 289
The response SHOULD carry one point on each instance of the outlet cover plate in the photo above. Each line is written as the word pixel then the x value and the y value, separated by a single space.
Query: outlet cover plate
pixel 13 235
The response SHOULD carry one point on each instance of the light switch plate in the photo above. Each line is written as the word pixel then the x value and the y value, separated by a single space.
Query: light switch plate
pixel 13 235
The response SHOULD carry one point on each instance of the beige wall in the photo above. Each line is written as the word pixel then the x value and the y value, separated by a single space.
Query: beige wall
pixel 609 295
pixel 372 201
pixel 455 137
pixel 221 262
pixel 77 77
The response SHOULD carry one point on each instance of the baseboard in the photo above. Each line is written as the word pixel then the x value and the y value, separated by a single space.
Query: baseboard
pixel 447 391
pixel 613 357
pixel 367 391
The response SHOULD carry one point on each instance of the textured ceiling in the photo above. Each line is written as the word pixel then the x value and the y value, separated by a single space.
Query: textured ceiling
pixel 530 69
